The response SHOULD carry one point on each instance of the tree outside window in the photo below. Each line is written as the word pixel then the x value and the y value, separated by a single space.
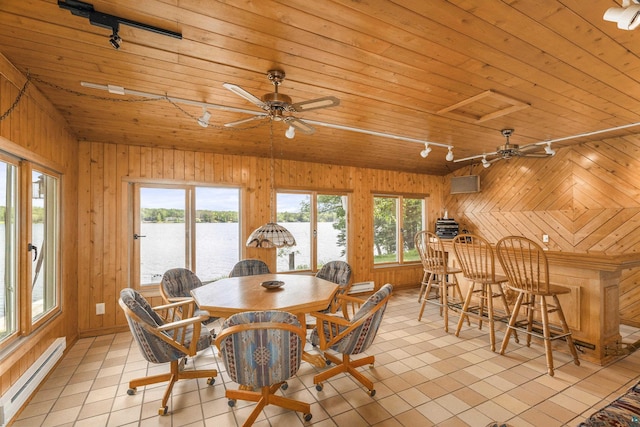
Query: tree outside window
pixel 396 220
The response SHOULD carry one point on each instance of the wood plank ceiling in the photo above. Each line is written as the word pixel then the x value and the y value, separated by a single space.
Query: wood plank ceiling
pixel 450 72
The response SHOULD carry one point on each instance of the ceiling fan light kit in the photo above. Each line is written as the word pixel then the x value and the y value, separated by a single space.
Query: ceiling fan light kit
pixel 507 150
pixel 290 133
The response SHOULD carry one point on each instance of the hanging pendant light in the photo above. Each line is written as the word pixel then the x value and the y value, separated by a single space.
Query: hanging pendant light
pixel 272 234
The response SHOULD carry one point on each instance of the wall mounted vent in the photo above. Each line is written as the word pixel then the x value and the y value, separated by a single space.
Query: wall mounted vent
pixel 465 184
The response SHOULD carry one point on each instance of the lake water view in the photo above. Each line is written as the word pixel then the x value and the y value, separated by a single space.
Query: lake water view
pixel 218 248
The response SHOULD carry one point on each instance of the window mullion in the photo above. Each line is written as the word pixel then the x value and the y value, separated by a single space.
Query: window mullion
pixel 24 255
pixel 400 232
pixel 190 227
pixel 313 224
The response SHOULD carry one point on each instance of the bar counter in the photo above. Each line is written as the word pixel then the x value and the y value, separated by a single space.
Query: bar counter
pixel 592 307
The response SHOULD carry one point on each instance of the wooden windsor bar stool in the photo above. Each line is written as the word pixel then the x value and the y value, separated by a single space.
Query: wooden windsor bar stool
pixel 527 268
pixel 476 258
pixel 438 275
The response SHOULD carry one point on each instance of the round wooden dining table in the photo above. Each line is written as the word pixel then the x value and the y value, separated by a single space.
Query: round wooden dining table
pixel 300 294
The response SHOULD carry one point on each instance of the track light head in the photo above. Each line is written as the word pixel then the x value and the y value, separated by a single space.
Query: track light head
pixel 424 153
pixel 204 119
pixel 449 155
pixel 485 162
pixel 550 151
pixel 115 40
pixel 290 133
pixel 627 17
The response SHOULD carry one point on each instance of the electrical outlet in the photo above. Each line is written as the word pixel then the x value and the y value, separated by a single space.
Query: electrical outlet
pixel 100 308
pixel 545 238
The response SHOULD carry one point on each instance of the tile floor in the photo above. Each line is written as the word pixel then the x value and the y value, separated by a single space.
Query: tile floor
pixel 423 377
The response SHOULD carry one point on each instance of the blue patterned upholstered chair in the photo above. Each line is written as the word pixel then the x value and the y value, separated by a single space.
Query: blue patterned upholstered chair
pixel 337 272
pixel 165 334
pixel 176 285
pixel 261 350
pixel 350 337
pixel 249 267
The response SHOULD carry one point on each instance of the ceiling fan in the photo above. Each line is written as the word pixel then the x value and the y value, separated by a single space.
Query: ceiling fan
pixel 509 150
pixel 278 106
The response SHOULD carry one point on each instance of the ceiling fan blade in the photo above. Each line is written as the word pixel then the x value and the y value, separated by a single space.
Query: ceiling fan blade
pixel 530 147
pixel 534 151
pixel 248 119
pixel 315 104
pixel 300 125
pixel 535 155
pixel 246 95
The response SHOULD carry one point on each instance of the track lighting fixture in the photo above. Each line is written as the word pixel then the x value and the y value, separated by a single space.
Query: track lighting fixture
pixel 290 133
pixel 424 153
pixel 114 39
pixel 485 162
pixel 203 120
pixel 105 20
pixel 547 149
pixel 449 156
pixel 627 17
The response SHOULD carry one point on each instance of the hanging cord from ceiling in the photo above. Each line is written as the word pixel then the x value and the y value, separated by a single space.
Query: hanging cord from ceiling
pixel 17 100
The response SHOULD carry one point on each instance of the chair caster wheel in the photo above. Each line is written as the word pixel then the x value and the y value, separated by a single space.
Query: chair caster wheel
pixel 307 417
pixel 372 393
pixel 131 391
pixel 211 381
pixel 328 362
pixel 231 402
pixel 163 410
pixel 319 387
pixel 284 386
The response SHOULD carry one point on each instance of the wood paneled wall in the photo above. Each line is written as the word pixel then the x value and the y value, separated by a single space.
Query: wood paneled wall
pixel 103 228
pixel 35 131
pixel 586 198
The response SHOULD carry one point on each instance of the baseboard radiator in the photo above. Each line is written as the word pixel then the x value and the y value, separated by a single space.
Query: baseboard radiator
pixel 17 395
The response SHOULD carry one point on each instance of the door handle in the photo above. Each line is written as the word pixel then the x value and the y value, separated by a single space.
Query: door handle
pixel 31 247
pixel 136 236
